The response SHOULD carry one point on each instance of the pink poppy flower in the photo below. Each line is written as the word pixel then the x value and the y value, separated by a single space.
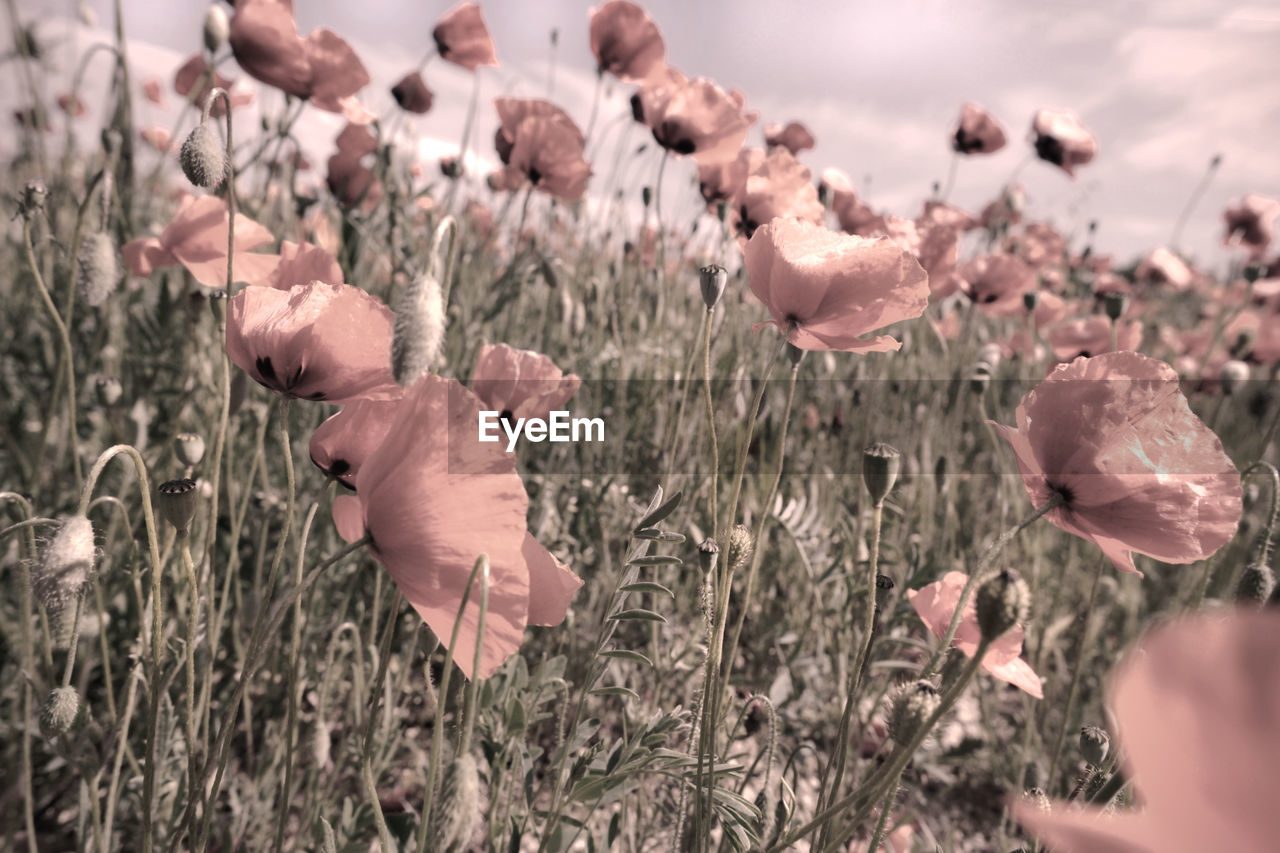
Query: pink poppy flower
pixel 793 136
pixel 340 445
pixel 833 288
pixel 1251 224
pixel 1138 470
pixel 1195 705
pixel 977 132
pixel 697 119
pixel 539 141
pixel 412 94
pixel 996 283
pixel 1260 333
pixel 626 42
pixel 647 101
pixel 1090 336
pixel 938 251
pixel 433 498
pixel 192 72
pixel 301 263
pixel 1060 139
pixel 1163 267
pixel 853 215
pixel 1006 210
pixel 152 91
pixel 779 186
pixel 936 603
pixel 157 137
pixel 321 68
pixel 197 238
pixel 520 383
pixel 1040 245
pixel 313 341
pixel 727 181
pixel 462 38
pixel 350 179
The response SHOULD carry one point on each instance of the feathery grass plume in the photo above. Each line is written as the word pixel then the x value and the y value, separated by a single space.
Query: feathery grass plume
pixel 99 269
pixel 203 158
pixel 419 330
pixel 912 706
pixel 1002 602
pixel 189 448
pixel 741 544
pixel 176 504
pixel 61 713
pixel 1094 745
pixel 64 568
pixel 458 809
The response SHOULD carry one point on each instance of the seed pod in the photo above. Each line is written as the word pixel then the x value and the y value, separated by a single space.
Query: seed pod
pixel 1115 304
pixel 711 280
pixel 65 566
pixel 1094 745
pixel 216 28
pixel 911 708
pixel 419 330
pixel 189 448
pixel 176 503
pixel 99 270
pixel 203 159
pixel 1001 603
pixel 880 466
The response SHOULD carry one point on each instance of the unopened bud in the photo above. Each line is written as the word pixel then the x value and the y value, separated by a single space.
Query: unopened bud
pixel 1094 745
pixel 911 709
pixel 176 503
pixel 61 713
pixel 1115 303
pixel 33 198
pixel 1001 603
pixel 880 466
pixel 712 280
pixel 65 565
pixel 741 545
pixel 189 448
pixel 1038 798
pixel 216 28
pixel 646 196
pixel 1233 376
pixel 99 270
pixel 202 157
pixel 459 804
pixel 419 330
pixel 1256 584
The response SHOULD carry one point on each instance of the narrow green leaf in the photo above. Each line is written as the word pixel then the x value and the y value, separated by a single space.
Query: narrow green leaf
pixel 614 691
pixel 646 586
pixel 656 560
pixel 626 654
pixel 637 615
pixel 656 515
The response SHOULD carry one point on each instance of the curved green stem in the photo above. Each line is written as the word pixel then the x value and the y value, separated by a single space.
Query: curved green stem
pixel 1081 648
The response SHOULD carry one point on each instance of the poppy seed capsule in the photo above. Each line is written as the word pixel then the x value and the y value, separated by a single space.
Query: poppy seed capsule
pixel 419 330
pixel 1094 745
pixel 1233 376
pixel 65 565
pixel 741 545
pixel 1256 584
pixel 189 448
pixel 1115 304
pixel 1030 300
pixel 912 707
pixel 708 554
pixel 880 466
pixel 795 355
pixel 1001 603
pixel 712 280
pixel 216 28
pixel 60 713
pixel 202 158
pixel 177 503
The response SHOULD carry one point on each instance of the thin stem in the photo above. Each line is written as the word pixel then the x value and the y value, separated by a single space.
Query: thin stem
pixel 711 416
pixel 28 665
pixel 1081 647
pixel 193 619
pixel 946 190
pixel 595 108
pixel 366 752
pixel 745 446
pixel 1196 195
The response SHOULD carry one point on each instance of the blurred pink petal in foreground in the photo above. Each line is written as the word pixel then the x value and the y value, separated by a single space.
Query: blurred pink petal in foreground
pixel 525 383
pixel 626 42
pixel 828 289
pixel 462 38
pixel 977 132
pixel 196 71
pixel 315 341
pixel 1196 704
pixel 433 498
pixel 197 239
pixel 1061 139
pixel 1138 470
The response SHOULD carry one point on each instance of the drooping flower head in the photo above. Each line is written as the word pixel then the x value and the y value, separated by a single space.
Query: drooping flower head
pixel 462 38
pixel 520 383
pixel 626 42
pixel 996 283
pixel 412 94
pixel 696 119
pixel 977 132
pixel 314 341
pixel 540 142
pixel 432 499
pixel 1136 469
pixel 350 178
pixel 793 136
pixel 829 289
pixel 936 603
pixel 1251 223
pixel 1061 139
pixel 1195 704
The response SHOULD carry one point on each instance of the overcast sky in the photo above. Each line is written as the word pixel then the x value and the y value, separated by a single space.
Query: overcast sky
pixel 1163 85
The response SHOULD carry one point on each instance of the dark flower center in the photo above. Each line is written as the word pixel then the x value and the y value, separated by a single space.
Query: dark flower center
pixel 268 378
pixel 1050 149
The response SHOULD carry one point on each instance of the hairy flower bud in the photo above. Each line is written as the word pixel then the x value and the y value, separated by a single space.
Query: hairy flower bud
pixel 741 545
pixel 189 448
pixel 216 28
pixel 1094 745
pixel 61 713
pixel 459 805
pixel 419 330
pixel 1038 798
pixel 99 269
pixel 176 503
pixel 1233 376
pixel 712 279
pixel 1001 603
pixel 65 565
pixel 912 707
pixel 880 466
pixel 1256 584
pixel 1030 300
pixel 202 157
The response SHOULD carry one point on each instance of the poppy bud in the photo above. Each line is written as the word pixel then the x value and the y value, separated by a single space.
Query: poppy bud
pixel 646 196
pixel 99 270
pixel 111 140
pixel 884 586
pixel 1001 603
pixel 1038 798
pixel 712 280
pixel 177 504
pixel 216 28
pixel 1115 304
pixel 108 390
pixel 1256 584
pixel 419 330
pixel 459 804
pixel 741 545
pixel 189 448
pixel 912 707
pixel 33 197
pixel 1094 745
pixel 1233 376
pixel 61 713
pixel 202 158
pixel 1030 300
pixel 65 565
pixel 880 465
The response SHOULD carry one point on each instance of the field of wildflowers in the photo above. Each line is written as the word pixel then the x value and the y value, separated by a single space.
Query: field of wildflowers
pixel 911 530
